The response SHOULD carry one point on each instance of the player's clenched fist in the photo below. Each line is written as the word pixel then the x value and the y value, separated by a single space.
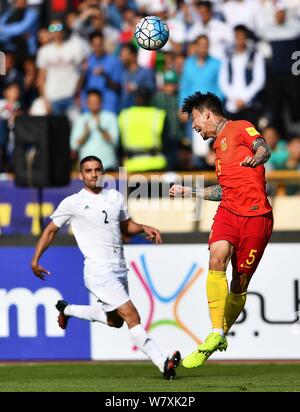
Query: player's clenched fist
pixel 179 191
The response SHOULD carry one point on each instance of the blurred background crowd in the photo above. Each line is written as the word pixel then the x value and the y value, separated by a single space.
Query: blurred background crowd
pixel 79 59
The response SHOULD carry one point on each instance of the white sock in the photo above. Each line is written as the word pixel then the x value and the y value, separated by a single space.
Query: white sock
pixel 220 331
pixel 144 342
pixel 93 313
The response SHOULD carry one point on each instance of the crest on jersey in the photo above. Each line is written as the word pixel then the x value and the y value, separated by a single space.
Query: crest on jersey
pixel 252 131
pixel 224 145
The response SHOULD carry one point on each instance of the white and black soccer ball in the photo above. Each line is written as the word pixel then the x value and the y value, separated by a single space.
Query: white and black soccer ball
pixel 151 33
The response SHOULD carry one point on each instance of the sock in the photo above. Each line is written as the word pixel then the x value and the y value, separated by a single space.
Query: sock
pixel 143 341
pixel 93 313
pixel 234 305
pixel 220 331
pixel 217 291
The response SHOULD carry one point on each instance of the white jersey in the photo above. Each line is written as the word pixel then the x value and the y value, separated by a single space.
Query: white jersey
pixel 95 221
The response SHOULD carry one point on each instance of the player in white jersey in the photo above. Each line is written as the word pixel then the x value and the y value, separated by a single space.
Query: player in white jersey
pixel 98 218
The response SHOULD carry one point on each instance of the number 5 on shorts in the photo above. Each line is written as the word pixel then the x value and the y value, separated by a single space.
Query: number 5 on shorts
pixel 252 256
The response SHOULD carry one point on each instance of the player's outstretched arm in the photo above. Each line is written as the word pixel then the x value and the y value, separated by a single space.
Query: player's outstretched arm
pixel 212 193
pixel 262 154
pixel 44 241
pixel 129 227
pixel 208 193
pixel 180 191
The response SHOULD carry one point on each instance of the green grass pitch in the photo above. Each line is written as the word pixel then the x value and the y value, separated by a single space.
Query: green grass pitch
pixel 143 377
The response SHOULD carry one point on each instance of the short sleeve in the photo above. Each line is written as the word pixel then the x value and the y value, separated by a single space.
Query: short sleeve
pixel 124 214
pixel 63 214
pixel 249 134
pixel 77 131
pixel 41 61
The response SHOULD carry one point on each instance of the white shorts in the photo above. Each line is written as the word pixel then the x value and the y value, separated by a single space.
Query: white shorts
pixel 112 292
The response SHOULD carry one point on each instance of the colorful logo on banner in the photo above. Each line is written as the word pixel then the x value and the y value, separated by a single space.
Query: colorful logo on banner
pixel 28 317
pixel 142 272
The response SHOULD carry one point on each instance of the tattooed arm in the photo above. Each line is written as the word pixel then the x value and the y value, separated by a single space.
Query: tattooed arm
pixel 207 193
pixel 262 154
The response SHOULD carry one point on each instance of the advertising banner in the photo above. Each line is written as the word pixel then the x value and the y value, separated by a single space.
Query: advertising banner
pixel 28 317
pixel 167 285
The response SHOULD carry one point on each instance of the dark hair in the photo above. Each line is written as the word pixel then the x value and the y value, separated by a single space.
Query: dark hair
pixel 241 27
pixel 130 47
pixel 95 34
pixel 206 4
pixel 201 101
pixel 88 159
pixel 11 84
pixel 95 91
pixel 201 36
pixel 143 96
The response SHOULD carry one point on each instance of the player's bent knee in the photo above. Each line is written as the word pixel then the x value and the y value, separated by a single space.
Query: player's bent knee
pixel 217 263
pixel 115 323
pixel 114 320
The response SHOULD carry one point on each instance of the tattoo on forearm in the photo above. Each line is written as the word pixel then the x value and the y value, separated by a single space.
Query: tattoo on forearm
pixel 213 193
pixel 262 151
pixel 209 193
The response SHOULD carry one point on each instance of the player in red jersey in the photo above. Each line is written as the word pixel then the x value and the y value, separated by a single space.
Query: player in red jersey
pixel 243 223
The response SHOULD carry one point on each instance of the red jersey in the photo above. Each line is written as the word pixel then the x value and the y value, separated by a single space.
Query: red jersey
pixel 243 188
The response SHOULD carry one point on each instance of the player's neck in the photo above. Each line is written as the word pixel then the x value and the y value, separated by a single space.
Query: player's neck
pixel 95 190
pixel 220 125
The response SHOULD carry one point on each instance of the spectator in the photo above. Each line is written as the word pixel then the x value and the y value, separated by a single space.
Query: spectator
pixel 242 77
pixel 220 34
pixel 142 141
pixel 283 87
pixel 75 37
pixel 30 84
pixel 43 36
pixel 243 12
pixel 167 99
pixel 115 11
pixel 128 27
pixel 18 29
pixel 96 133
pixel 279 151
pixel 9 109
pixel 177 29
pixel 12 72
pixel 200 71
pixel 92 19
pixel 103 73
pixel 58 64
pixel 179 60
pixel 133 76
pixel 293 162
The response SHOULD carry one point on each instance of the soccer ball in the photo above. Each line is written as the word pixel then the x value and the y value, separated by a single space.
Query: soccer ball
pixel 151 33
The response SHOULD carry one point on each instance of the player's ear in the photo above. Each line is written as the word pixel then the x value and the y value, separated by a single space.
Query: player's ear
pixel 80 176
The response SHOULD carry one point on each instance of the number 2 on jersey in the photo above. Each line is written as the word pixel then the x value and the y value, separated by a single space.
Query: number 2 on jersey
pixel 105 214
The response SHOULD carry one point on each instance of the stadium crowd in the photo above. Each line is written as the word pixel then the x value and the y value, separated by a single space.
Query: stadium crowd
pixel 80 59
